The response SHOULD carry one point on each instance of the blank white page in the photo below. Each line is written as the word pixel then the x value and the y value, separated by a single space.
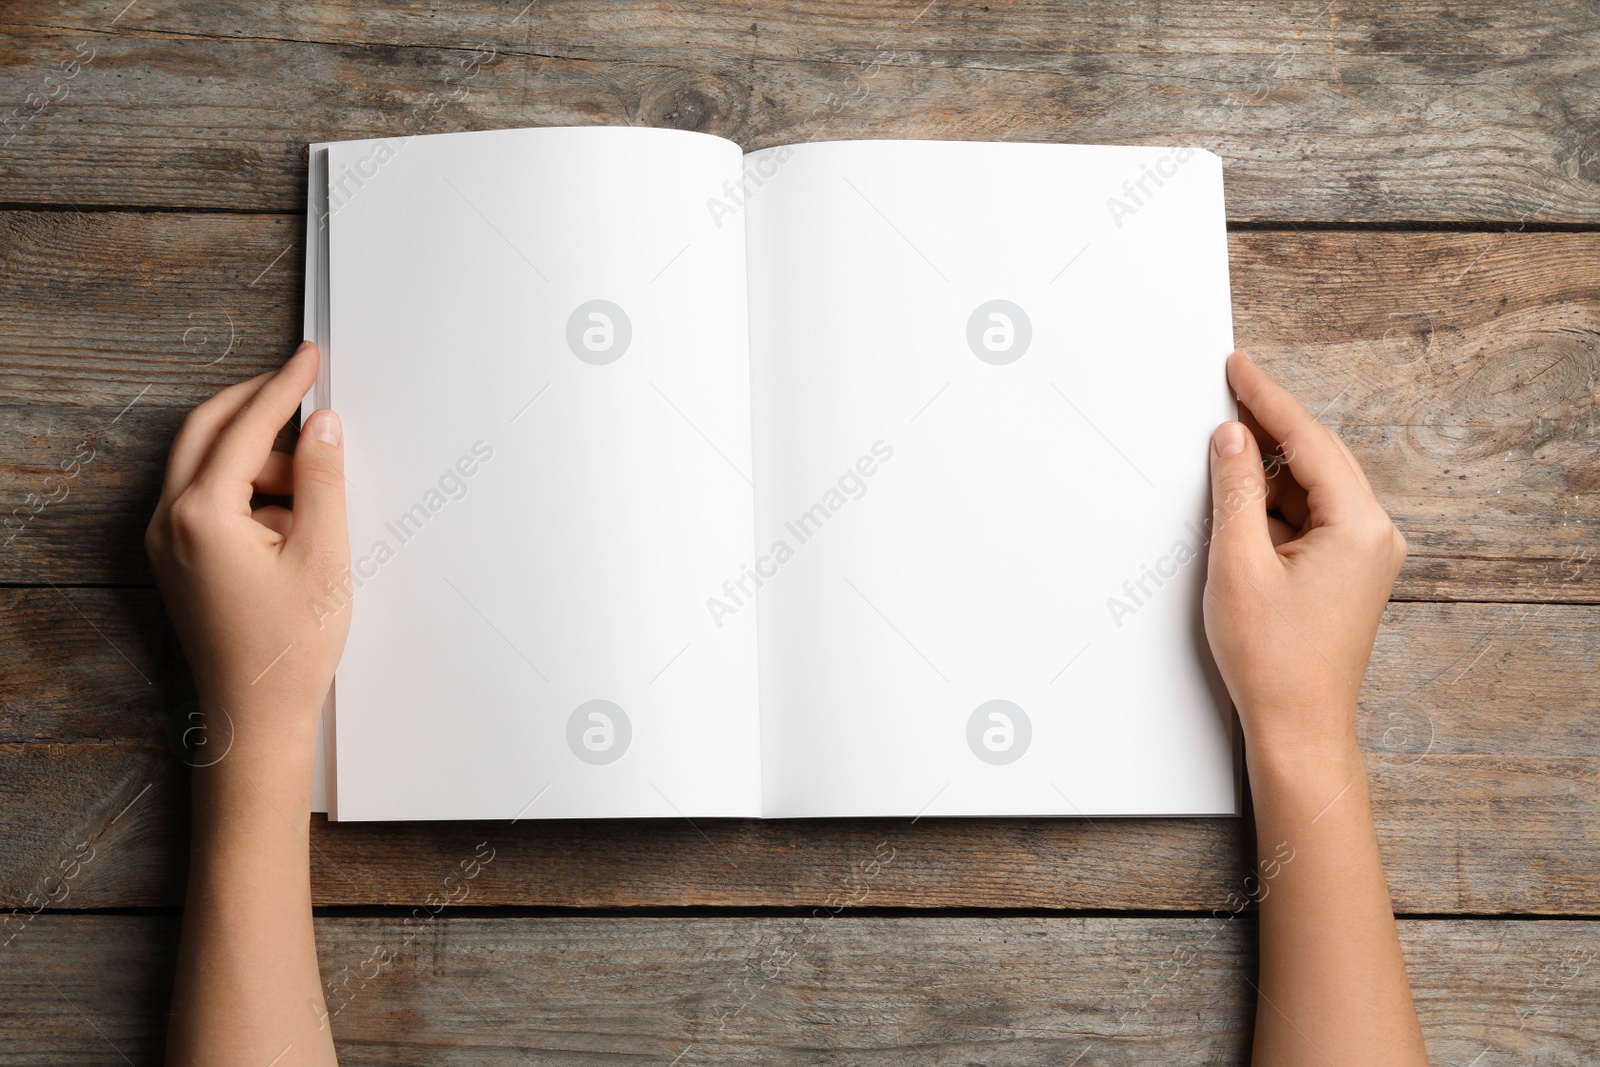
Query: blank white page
pixel 538 349
pixel 991 389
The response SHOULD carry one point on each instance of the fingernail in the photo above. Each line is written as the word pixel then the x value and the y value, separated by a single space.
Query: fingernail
pixel 1229 440
pixel 303 346
pixel 325 427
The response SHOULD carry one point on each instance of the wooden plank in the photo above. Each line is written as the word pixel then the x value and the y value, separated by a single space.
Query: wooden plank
pixel 101 666
pixel 1482 723
pixel 1437 111
pixel 1462 368
pixel 1461 835
pixel 78 485
pixel 87 666
pixel 97 308
pixel 85 989
pixel 80 819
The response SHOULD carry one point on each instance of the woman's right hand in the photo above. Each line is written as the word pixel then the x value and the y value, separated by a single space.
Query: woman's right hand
pixel 1302 560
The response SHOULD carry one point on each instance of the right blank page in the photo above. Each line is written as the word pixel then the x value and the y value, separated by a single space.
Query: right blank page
pixel 984 377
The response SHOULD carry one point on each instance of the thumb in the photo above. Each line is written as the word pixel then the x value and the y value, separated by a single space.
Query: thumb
pixel 319 523
pixel 1239 531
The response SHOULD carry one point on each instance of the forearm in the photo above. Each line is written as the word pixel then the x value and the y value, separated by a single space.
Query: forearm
pixel 247 988
pixel 1333 985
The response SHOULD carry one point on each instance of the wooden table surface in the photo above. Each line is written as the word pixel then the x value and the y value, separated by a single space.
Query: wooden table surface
pixel 1414 198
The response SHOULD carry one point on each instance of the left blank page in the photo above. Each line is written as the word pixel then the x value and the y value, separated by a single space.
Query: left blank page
pixel 538 349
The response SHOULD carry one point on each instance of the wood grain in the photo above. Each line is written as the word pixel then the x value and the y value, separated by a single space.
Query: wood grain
pixel 1461 368
pixel 87 666
pixel 800 990
pixel 82 818
pixel 1482 724
pixel 95 666
pixel 1461 835
pixel 1433 111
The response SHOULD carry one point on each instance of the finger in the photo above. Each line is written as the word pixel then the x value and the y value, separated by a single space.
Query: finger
pixel 1282 489
pixel 319 522
pixel 199 432
pixel 1265 441
pixel 275 518
pixel 242 446
pixel 277 475
pixel 1239 531
pixel 1344 449
pixel 1312 450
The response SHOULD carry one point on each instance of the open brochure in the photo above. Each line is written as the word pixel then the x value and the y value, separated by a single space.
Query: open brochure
pixel 861 478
